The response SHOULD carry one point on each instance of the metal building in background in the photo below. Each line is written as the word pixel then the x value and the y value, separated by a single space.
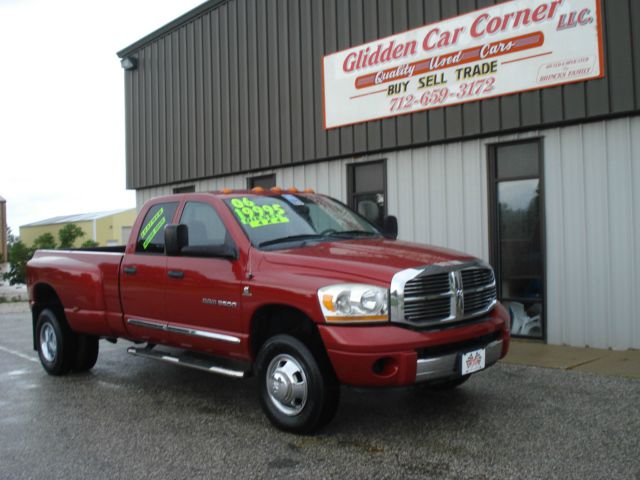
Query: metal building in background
pixel 533 166
pixel 107 229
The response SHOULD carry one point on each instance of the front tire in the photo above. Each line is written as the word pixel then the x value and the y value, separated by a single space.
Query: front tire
pixel 295 393
pixel 56 343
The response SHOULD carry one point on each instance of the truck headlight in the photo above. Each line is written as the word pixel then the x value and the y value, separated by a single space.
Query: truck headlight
pixel 354 303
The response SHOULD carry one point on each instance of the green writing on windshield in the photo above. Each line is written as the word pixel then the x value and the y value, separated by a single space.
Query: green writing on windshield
pixel 255 216
pixel 152 228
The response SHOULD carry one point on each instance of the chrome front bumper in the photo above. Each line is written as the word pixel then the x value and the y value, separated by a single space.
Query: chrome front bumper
pixel 445 366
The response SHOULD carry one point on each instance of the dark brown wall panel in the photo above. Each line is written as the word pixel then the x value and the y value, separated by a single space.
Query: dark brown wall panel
pixel 330 45
pixel 319 49
pixel 237 86
pixel 306 66
pixel 400 24
pixel 385 28
pixel 419 129
pixel 635 31
pixel 374 129
pixel 619 42
pixel 356 19
pixel 284 83
pixel 295 82
pixel 234 98
pixel 273 84
pixel 255 82
pixel 344 41
pixel 216 92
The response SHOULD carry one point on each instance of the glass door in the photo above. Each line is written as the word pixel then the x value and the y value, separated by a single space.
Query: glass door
pixel 517 243
pixel 367 185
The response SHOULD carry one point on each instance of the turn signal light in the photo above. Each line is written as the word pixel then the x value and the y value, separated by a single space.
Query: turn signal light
pixel 226 190
pixel 293 190
pixel 257 189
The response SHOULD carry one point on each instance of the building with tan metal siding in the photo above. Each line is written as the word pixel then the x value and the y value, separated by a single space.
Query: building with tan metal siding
pixel 106 228
pixel 544 184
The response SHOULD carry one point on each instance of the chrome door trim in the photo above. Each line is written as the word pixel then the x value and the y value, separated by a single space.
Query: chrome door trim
pixel 147 324
pixel 183 330
pixel 202 334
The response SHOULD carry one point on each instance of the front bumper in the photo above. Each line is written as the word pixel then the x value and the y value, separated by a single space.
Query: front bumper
pixel 446 366
pixel 389 355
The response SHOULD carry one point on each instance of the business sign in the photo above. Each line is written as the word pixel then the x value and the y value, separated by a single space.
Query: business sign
pixel 509 48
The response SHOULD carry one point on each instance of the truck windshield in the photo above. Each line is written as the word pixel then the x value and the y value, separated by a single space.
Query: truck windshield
pixel 287 220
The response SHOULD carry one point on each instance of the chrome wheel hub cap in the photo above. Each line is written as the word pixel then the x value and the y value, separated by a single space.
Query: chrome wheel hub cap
pixel 287 384
pixel 48 343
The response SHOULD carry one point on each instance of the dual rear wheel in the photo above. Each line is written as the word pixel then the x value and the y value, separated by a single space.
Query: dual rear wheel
pixel 61 350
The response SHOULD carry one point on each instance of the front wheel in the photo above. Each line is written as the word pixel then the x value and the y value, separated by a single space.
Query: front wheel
pixel 295 393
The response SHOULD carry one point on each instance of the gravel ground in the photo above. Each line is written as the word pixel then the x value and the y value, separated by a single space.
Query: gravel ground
pixel 136 418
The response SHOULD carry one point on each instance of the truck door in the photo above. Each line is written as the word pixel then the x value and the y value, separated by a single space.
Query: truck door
pixel 143 277
pixel 204 293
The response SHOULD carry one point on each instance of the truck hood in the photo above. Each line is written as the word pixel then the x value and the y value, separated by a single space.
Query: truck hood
pixel 371 259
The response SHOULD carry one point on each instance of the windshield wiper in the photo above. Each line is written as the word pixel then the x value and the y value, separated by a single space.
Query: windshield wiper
pixel 290 238
pixel 353 233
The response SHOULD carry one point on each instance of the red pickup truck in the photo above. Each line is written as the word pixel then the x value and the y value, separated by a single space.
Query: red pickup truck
pixel 293 287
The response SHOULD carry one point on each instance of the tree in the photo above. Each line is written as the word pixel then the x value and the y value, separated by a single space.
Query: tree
pixel 19 255
pixel 11 238
pixel 44 241
pixel 89 244
pixel 69 234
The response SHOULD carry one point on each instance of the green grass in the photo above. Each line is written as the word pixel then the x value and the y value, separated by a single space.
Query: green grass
pixel 10 300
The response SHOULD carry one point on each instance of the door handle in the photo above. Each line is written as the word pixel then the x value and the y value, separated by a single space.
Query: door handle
pixel 130 270
pixel 176 274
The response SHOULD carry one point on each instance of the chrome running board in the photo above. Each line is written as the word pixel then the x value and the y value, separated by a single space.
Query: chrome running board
pixel 190 360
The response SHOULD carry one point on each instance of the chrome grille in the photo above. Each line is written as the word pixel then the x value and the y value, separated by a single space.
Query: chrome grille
pixel 441 294
pixel 427 285
pixel 479 290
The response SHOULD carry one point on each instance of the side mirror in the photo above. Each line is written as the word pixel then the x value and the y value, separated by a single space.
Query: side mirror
pixel 175 238
pixel 390 227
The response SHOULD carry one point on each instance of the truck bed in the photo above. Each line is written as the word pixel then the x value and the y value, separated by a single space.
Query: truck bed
pixel 86 284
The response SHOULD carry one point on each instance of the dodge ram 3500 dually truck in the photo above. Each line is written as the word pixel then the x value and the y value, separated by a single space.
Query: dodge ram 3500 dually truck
pixel 293 287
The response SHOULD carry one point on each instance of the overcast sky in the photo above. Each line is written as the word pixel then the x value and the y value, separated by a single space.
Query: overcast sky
pixel 62 102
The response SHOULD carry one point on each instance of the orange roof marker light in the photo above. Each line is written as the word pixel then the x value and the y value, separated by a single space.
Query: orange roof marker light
pixel 257 190
pixel 276 189
pixel 226 190
pixel 293 190
pixel 309 190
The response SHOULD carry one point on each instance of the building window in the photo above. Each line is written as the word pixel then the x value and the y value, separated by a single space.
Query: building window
pixel 151 235
pixel 367 190
pixel 264 181
pixel 185 189
pixel 517 233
